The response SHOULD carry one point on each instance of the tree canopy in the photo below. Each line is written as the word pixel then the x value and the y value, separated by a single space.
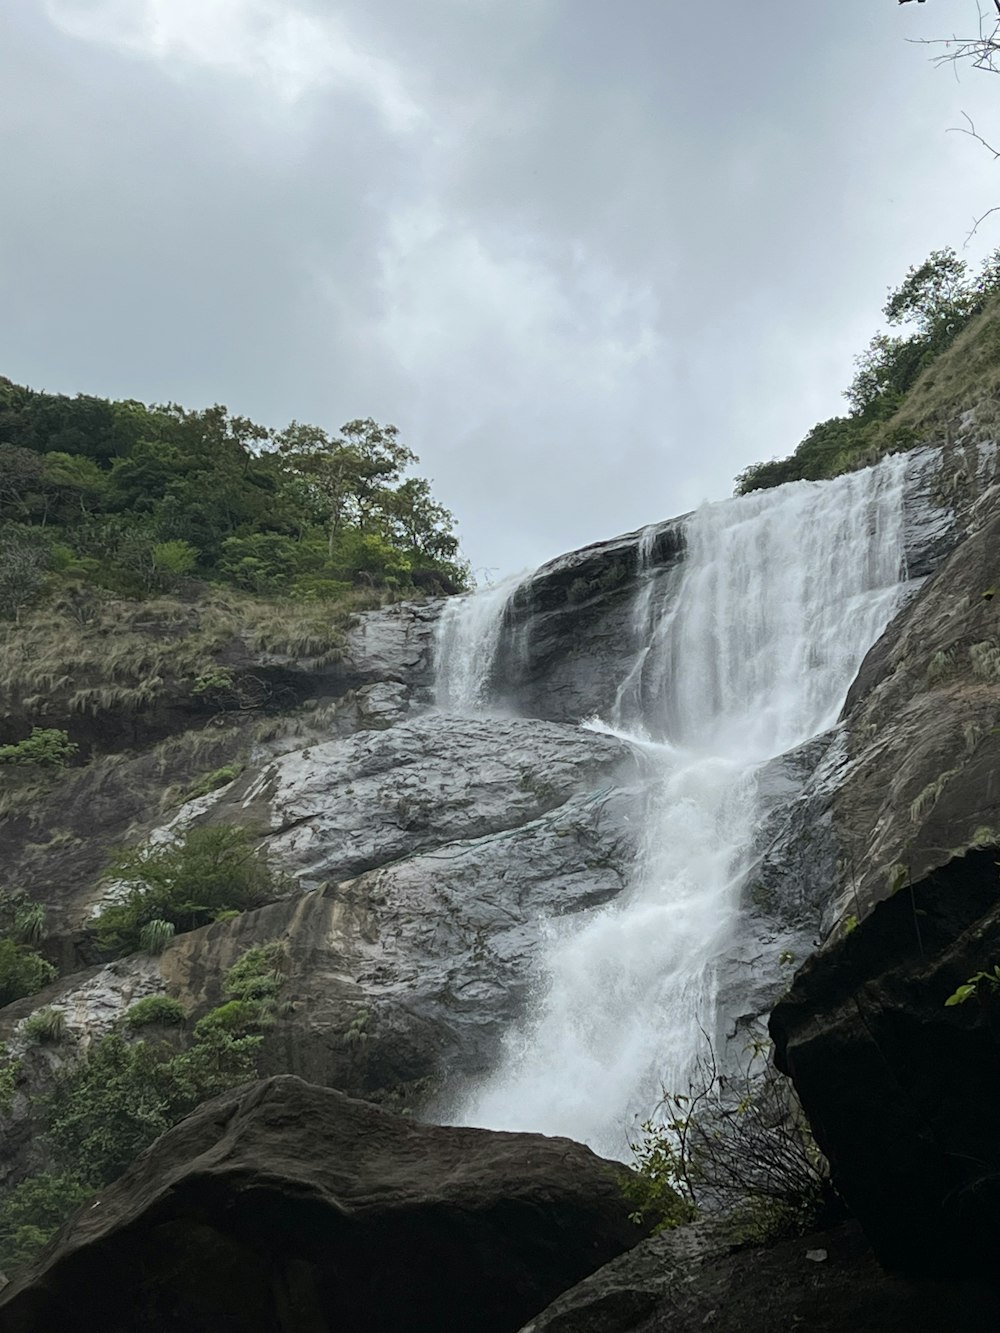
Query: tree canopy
pixel 135 498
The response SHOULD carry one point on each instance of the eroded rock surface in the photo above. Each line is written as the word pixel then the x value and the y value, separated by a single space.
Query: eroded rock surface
pixel 287 1206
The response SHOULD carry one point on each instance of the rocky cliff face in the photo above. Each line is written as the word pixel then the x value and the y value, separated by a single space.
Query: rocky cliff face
pixel 429 853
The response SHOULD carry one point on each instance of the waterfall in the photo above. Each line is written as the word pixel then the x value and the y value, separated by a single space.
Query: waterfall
pixel 749 653
pixel 467 637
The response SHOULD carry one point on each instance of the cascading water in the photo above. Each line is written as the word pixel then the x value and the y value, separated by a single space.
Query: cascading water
pixel 781 595
pixel 468 635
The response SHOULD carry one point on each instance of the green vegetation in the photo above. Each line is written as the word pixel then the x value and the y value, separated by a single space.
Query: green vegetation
pixel 23 971
pixel 210 782
pixel 45 1025
pixel 46 747
pixel 971 987
pixel 155 935
pixel 122 1095
pixel 156 1010
pixel 732 1142
pixel 652 1188
pixel 9 1070
pixel 134 500
pixel 183 885
pixel 909 387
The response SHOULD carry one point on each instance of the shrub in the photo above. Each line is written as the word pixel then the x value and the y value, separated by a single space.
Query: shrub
pixel 737 1143
pixel 186 885
pixel 652 1187
pixel 21 918
pixel 122 1095
pixel 46 746
pixel 172 560
pixel 23 972
pixel 212 781
pixel 34 1210
pixel 257 975
pixel 9 1071
pixel 161 1010
pixel 155 936
pixel 214 680
pixel 45 1025
pixel 231 1017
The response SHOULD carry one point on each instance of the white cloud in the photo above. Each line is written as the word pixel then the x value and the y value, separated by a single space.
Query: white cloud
pixel 459 296
pixel 283 50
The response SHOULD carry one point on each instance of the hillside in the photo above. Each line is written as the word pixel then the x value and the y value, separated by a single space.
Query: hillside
pixel 913 387
pixel 513 860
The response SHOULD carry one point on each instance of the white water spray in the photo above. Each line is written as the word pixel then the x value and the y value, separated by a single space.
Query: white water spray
pixel 781 595
pixel 468 636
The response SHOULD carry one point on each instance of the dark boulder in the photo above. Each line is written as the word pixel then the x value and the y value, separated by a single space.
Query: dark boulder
pixel 698 1278
pixel 902 1090
pixel 287 1208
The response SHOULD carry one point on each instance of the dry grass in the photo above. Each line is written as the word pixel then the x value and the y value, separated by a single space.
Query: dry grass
pixel 110 654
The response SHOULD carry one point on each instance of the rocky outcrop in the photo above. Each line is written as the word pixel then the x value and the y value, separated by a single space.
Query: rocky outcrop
pixel 924 727
pixel 287 1206
pixel 903 1090
pixel 428 857
pixel 698 1278
pixel 569 628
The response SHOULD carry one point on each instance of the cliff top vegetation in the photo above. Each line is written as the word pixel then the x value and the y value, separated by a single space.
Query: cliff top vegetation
pixel 910 387
pixel 134 500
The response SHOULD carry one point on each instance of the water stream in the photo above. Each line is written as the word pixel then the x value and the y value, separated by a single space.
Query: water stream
pixel 745 654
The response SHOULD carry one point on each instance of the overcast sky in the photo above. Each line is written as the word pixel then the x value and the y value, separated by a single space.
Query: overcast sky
pixel 591 259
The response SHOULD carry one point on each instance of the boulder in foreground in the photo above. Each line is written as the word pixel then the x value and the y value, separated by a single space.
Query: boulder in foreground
pixel 284 1207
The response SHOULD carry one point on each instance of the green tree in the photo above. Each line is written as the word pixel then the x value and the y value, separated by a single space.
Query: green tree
pixel 46 747
pixel 20 482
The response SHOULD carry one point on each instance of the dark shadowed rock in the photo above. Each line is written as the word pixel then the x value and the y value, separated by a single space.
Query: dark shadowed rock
pixel 287 1207
pixel 570 629
pixel 697 1278
pixel 903 1091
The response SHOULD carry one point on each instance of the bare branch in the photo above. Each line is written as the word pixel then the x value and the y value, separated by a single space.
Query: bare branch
pixel 982 52
pixel 971 131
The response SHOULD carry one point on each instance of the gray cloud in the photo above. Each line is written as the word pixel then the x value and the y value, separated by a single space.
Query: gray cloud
pixel 591 260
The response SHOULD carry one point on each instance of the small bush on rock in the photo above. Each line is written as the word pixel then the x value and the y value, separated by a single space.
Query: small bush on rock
pixel 156 935
pixel 45 1025
pixel 9 1070
pixel 46 747
pixel 736 1144
pixel 162 1010
pixel 186 885
pixel 23 972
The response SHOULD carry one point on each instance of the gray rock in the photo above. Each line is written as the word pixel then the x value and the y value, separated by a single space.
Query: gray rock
pixel 698 1278
pixel 392 644
pixel 438 848
pixel 334 810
